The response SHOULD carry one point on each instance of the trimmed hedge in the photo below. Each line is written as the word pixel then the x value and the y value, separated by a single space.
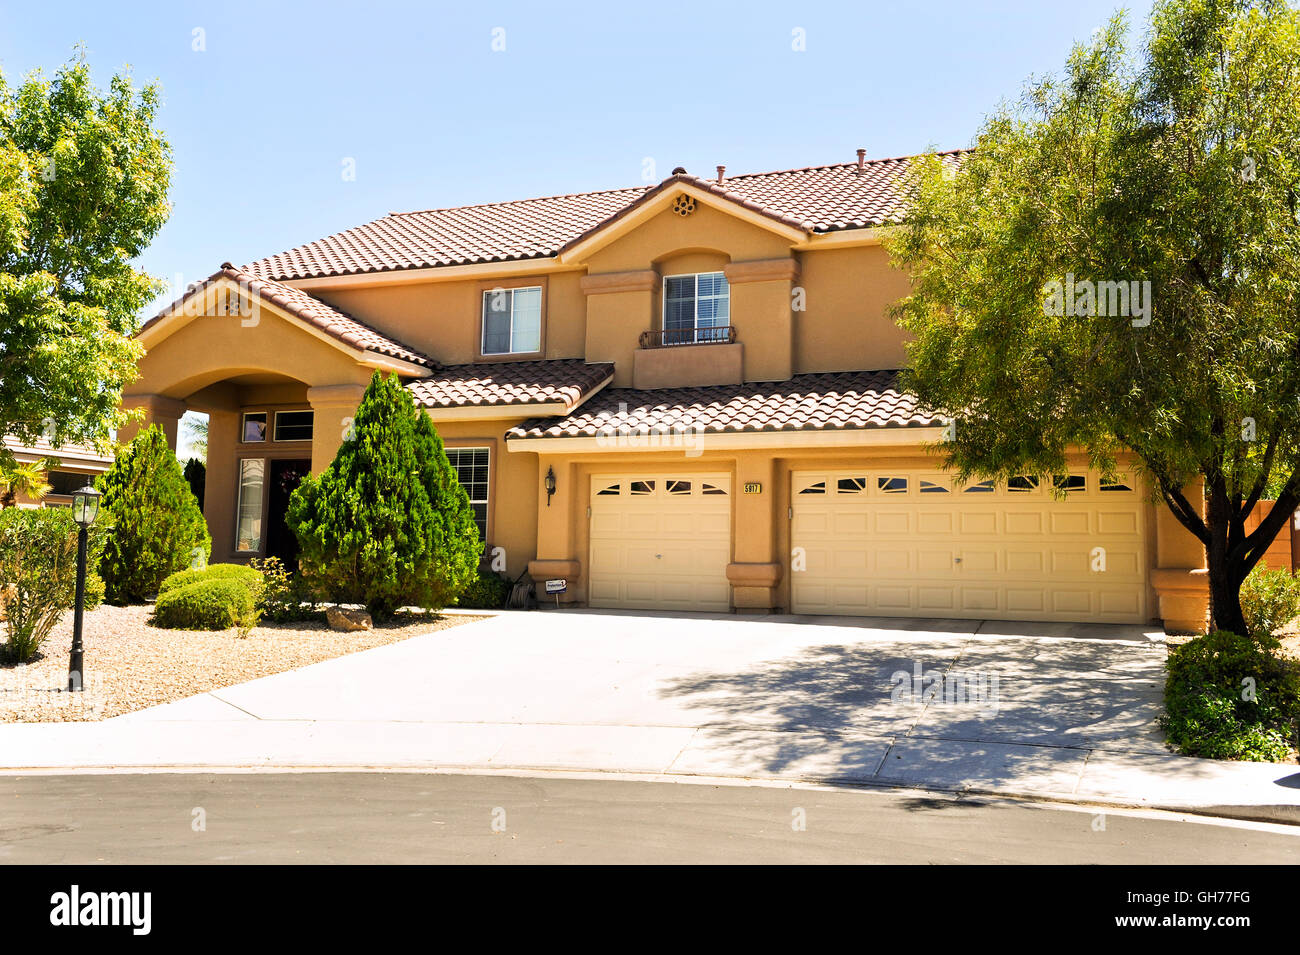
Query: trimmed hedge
pixel 248 576
pixel 1228 697
pixel 215 604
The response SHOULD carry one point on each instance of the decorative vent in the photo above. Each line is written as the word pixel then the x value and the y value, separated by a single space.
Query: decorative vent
pixel 684 205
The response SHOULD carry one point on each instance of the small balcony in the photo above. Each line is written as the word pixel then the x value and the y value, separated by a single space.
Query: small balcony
pixel 674 337
pixel 688 357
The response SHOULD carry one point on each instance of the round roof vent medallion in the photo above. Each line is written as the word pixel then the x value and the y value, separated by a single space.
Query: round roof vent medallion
pixel 684 205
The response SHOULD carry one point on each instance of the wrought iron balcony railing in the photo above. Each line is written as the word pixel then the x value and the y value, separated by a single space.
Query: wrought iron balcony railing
pixel 670 337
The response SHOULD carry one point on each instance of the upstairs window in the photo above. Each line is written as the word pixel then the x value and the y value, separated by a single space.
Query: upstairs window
pixel 512 321
pixel 694 305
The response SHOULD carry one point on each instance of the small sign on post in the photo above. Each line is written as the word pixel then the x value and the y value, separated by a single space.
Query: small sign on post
pixel 753 487
pixel 557 586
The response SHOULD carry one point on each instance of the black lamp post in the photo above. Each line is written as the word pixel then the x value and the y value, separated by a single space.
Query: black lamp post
pixel 85 508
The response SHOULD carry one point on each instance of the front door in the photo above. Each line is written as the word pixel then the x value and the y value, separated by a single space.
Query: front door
pixel 280 541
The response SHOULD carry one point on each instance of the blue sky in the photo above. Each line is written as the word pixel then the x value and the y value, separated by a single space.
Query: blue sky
pixel 263 118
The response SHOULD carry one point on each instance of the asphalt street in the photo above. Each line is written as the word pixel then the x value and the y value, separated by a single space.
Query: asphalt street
pixel 253 818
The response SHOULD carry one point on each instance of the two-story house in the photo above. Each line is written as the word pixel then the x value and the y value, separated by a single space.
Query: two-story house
pixel 679 397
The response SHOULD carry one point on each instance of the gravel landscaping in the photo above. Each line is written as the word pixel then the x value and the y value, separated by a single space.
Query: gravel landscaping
pixel 131 665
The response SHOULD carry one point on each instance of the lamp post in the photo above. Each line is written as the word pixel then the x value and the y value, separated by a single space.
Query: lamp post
pixel 85 508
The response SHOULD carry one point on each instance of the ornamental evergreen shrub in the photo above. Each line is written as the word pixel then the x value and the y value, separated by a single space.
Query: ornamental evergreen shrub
pixel 196 476
pixel 454 534
pixel 158 528
pixel 1228 697
pixel 217 603
pixel 487 591
pixel 386 524
pixel 38 574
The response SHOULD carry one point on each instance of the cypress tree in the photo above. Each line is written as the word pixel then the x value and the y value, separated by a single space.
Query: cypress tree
pixel 454 538
pixel 367 530
pixel 158 527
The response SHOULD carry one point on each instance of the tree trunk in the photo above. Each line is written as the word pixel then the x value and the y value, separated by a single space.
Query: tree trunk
pixel 1225 568
pixel 1225 595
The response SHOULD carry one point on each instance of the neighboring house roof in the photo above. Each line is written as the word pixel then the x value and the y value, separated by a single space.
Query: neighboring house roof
pixel 298 303
pixel 818 402
pixel 565 382
pixel 69 455
pixel 817 199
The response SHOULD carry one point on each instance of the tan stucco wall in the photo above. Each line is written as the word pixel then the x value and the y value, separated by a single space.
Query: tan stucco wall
pixel 847 323
pixel 443 319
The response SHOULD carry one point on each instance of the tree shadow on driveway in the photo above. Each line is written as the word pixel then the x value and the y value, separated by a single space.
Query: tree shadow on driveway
pixel 835 710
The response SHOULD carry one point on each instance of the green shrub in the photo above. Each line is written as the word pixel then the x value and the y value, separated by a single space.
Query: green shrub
pixel 250 577
pixel 286 596
pixel 487 591
pixel 158 527
pixel 38 574
pixel 214 604
pixel 1270 599
pixel 1228 697
pixel 387 524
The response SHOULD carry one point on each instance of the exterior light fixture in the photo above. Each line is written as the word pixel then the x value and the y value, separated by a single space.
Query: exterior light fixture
pixel 85 508
pixel 550 485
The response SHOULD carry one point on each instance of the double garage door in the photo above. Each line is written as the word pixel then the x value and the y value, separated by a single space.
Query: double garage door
pixel 882 543
pixel 911 543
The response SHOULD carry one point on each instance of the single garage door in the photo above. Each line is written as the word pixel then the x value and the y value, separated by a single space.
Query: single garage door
pixel 660 541
pixel 912 543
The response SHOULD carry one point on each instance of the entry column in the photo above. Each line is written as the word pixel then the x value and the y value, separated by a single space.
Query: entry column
pixel 158 409
pixel 335 407
pixel 755 571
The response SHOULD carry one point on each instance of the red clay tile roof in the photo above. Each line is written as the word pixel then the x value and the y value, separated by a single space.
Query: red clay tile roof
pixel 565 380
pixel 312 310
pixel 818 199
pixel 821 402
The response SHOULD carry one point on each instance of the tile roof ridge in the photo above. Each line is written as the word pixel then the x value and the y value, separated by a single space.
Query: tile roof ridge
pixel 852 164
pixel 511 202
pixel 687 176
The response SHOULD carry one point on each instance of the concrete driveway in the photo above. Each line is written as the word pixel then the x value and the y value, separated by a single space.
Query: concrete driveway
pixel 965 705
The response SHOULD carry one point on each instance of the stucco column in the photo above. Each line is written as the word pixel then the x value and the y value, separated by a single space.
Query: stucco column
pixel 158 409
pixel 620 306
pixel 556 555
pixel 1180 578
pixel 755 571
pixel 762 294
pixel 335 407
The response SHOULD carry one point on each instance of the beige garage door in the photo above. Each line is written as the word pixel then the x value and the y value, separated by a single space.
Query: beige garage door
pixel 660 541
pixel 901 543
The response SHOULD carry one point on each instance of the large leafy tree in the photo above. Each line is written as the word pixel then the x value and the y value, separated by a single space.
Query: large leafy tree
pixel 83 189
pixel 386 525
pixel 1180 167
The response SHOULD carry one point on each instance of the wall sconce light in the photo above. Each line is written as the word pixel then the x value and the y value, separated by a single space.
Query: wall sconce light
pixel 550 485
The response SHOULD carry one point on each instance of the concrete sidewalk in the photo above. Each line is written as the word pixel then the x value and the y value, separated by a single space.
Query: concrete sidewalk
pixel 1070 714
